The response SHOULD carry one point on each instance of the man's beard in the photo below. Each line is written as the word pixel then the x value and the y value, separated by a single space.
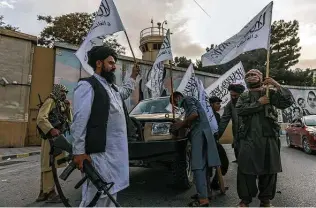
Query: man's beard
pixel 234 101
pixel 108 76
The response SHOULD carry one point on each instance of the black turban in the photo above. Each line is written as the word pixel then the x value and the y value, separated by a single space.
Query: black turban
pixel 100 53
pixel 239 88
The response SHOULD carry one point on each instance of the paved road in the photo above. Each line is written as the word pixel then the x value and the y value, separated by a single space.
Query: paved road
pixel 296 186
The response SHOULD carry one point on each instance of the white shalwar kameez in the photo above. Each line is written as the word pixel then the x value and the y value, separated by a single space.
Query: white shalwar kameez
pixel 112 164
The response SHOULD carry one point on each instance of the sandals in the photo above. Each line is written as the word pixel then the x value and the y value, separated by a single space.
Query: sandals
pixel 53 197
pixel 196 203
pixel 196 197
pixel 263 204
pixel 242 204
pixel 42 197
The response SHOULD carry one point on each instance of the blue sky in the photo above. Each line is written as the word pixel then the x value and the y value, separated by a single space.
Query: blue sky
pixel 192 29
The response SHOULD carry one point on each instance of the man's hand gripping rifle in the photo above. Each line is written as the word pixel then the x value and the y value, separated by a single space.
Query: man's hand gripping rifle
pixel 60 143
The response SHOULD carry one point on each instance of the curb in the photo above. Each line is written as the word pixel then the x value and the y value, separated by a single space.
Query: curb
pixel 16 156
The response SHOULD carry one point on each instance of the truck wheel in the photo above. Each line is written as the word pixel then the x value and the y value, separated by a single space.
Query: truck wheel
pixel 181 169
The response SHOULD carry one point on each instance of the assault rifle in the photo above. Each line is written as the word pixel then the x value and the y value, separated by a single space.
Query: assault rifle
pixel 60 143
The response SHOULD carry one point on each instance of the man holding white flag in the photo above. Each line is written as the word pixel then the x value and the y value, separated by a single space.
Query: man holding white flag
pixel 100 123
pixel 255 35
pixel 155 83
pixel 107 22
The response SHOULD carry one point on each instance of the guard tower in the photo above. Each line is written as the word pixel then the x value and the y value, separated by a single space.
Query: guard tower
pixel 151 39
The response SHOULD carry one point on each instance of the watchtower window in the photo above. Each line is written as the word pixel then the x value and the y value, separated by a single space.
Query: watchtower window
pixel 157 46
pixel 144 48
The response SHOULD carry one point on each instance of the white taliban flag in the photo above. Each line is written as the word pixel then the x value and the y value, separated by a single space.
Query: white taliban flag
pixel 188 85
pixel 191 86
pixel 155 82
pixel 207 107
pixel 236 75
pixel 255 35
pixel 107 22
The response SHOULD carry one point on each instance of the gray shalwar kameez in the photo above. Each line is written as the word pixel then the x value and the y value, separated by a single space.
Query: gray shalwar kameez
pixel 204 150
pixel 113 163
pixel 259 144
pixel 230 114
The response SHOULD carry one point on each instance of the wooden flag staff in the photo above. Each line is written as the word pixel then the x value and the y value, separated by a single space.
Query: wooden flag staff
pixel 130 46
pixel 171 82
pixel 268 69
pixel 268 57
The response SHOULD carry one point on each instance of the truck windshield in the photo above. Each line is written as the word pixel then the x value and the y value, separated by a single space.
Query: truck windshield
pixel 310 120
pixel 151 106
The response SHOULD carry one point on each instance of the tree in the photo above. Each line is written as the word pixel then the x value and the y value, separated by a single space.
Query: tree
pixel 182 62
pixel 3 25
pixel 198 64
pixel 72 28
pixel 284 53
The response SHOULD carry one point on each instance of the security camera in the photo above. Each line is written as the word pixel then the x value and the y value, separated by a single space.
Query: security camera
pixel 5 80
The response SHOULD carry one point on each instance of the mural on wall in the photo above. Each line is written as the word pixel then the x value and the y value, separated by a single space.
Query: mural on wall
pixel 305 104
pixel 67 70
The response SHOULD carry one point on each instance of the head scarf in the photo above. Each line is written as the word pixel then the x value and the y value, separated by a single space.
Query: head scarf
pixel 254 82
pixel 58 91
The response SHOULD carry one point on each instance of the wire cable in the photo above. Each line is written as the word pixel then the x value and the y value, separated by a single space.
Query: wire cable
pixel 202 8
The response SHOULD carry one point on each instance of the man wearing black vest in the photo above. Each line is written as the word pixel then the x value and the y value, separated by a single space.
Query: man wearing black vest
pixel 99 127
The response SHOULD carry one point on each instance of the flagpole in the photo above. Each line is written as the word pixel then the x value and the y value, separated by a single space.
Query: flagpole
pixel 171 82
pixel 130 46
pixel 268 69
pixel 268 54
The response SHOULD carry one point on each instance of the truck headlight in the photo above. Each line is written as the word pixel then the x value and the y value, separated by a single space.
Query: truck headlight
pixel 160 128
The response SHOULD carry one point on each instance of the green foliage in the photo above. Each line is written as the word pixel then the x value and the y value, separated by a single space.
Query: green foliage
pixel 72 28
pixel 182 62
pixel 3 25
pixel 284 53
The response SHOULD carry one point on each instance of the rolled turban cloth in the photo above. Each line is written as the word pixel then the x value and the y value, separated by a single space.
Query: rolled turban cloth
pixel 254 79
pixel 58 91
pixel 100 53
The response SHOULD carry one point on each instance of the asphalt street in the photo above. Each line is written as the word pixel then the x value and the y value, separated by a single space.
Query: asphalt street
pixel 19 184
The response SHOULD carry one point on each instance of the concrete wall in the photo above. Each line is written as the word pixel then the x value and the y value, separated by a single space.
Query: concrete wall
pixel 16 52
pixel 68 70
pixel 42 83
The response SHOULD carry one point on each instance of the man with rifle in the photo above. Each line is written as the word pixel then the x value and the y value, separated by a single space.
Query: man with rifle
pixel 53 119
pixel 100 125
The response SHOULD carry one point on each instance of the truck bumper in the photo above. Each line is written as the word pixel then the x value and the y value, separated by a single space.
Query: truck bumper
pixel 153 149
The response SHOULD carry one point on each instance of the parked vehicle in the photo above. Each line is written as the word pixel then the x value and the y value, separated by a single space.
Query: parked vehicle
pixel 152 145
pixel 302 133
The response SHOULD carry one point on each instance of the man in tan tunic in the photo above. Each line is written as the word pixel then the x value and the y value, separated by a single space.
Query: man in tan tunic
pixel 53 119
